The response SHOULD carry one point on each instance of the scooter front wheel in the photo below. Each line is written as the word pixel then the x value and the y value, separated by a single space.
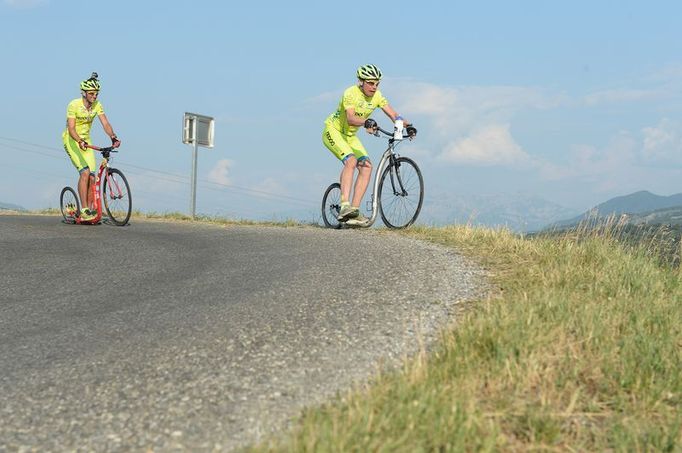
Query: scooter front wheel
pixel 69 205
pixel 331 206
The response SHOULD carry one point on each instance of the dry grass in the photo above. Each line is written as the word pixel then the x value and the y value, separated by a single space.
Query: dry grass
pixel 171 217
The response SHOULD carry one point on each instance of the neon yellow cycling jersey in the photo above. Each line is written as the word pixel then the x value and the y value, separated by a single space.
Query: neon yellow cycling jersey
pixel 83 117
pixel 363 105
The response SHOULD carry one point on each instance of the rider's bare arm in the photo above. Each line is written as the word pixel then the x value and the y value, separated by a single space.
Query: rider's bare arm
pixel 106 125
pixel 71 127
pixel 109 130
pixel 392 114
pixel 353 119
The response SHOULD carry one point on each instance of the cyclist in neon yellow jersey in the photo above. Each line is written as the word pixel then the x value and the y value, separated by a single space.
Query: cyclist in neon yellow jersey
pixel 339 136
pixel 80 114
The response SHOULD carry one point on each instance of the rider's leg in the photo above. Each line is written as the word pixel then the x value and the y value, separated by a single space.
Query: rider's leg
pixel 84 187
pixel 91 190
pixel 346 179
pixel 348 150
pixel 85 193
pixel 361 183
pixel 347 211
pixel 338 144
pixel 84 161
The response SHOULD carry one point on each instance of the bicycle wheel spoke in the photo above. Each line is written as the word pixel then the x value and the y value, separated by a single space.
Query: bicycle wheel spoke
pixel 401 193
pixel 331 205
pixel 115 188
pixel 117 198
pixel 69 205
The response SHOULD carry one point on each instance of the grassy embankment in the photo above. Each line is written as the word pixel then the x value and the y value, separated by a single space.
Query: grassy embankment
pixel 578 350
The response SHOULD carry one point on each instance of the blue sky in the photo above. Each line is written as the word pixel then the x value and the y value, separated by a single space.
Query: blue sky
pixel 572 102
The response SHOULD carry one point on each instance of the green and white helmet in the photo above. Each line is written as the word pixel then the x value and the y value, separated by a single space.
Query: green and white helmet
pixel 369 72
pixel 92 84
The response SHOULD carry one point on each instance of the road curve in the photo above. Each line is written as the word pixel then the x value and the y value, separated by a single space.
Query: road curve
pixel 167 336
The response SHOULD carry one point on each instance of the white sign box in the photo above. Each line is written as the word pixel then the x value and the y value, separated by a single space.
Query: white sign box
pixel 198 127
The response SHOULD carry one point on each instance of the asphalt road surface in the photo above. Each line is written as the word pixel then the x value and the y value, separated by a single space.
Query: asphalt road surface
pixel 176 336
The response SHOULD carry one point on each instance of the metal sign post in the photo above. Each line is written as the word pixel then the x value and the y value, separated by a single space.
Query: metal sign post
pixel 193 183
pixel 197 130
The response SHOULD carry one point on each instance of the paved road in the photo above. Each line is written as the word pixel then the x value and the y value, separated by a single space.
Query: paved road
pixel 195 337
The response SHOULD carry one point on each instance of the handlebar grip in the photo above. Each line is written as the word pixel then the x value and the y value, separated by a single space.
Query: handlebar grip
pixel 370 123
pixel 411 131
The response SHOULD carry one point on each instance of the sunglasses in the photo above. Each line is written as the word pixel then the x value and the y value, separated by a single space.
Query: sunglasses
pixel 372 83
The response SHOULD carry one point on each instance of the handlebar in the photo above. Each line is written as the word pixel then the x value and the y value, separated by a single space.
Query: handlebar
pixel 409 131
pixel 107 149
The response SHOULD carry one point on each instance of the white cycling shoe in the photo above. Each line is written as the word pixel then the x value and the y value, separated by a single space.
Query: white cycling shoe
pixel 359 221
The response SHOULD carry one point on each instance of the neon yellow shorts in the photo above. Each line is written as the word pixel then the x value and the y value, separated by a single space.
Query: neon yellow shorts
pixel 343 146
pixel 82 160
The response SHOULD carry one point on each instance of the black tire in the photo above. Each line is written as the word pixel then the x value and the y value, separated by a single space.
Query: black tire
pixel 401 193
pixel 117 198
pixel 331 205
pixel 69 205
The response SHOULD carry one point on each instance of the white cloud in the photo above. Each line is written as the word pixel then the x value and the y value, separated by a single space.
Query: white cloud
pixel 459 110
pixel 220 173
pixel 492 145
pixel 270 186
pixel 663 85
pixel 669 73
pixel 623 95
pixel 25 4
pixel 477 118
pixel 604 169
pixel 326 98
pixel 663 143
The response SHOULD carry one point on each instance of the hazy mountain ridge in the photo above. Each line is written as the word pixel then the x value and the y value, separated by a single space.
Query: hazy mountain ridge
pixel 514 211
pixel 11 207
pixel 641 207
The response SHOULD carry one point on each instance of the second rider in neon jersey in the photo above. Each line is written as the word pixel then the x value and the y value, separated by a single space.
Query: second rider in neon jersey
pixel 339 136
pixel 80 114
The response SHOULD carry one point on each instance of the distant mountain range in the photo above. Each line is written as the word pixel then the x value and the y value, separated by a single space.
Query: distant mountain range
pixel 523 213
pixel 517 212
pixel 637 208
pixel 529 214
pixel 10 207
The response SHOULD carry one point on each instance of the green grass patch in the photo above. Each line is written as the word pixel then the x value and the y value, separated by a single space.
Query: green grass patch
pixel 174 217
pixel 578 349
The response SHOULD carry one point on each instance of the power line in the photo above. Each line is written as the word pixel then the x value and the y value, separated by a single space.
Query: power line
pixel 180 179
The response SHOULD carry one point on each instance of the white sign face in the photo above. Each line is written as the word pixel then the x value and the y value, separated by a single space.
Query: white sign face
pixel 199 128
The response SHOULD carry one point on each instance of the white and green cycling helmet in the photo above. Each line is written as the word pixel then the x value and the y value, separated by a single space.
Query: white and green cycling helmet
pixel 91 84
pixel 369 72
